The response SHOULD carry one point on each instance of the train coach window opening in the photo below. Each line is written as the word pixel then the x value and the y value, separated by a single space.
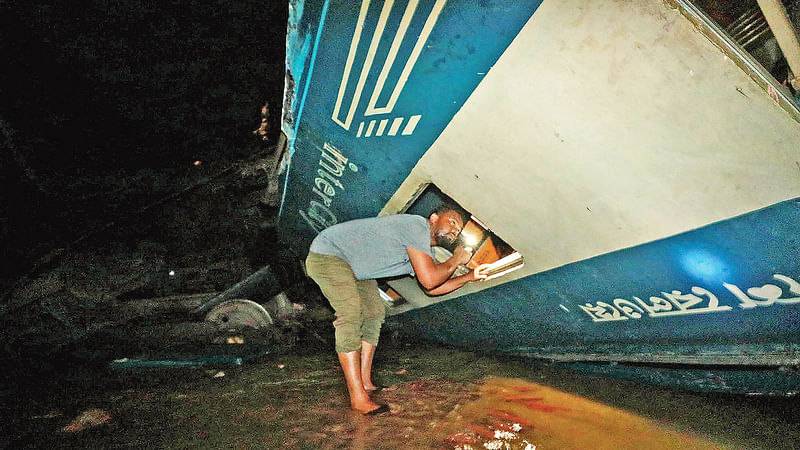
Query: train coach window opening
pixel 389 296
pixel 488 247
pixel 745 23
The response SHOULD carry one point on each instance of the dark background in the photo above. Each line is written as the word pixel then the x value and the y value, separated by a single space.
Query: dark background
pixel 105 106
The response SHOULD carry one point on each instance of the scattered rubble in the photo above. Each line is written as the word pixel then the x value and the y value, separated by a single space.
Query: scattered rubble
pixel 88 419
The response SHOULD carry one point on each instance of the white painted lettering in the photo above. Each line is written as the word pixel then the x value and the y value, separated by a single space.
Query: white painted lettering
pixel 321 214
pixel 331 167
pixel 325 200
pixel 317 227
pixel 330 178
pixel 325 186
pixel 336 159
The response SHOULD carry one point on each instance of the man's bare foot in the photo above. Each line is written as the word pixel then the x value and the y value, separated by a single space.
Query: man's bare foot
pixel 359 397
pixel 381 410
pixel 364 407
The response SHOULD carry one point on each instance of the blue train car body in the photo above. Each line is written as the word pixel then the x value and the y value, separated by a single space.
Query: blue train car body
pixel 386 97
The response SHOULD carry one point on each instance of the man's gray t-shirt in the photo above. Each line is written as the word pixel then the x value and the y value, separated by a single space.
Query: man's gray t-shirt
pixel 376 247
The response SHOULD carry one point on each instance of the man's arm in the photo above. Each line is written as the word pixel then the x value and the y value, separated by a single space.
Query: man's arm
pixel 479 273
pixel 435 278
pixel 429 273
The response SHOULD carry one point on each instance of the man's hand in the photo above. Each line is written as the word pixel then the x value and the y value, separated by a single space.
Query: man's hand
pixel 435 278
pixel 461 255
pixel 477 274
pixel 481 272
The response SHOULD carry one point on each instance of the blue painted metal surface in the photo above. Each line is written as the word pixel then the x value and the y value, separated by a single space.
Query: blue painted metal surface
pixel 749 344
pixel 731 380
pixel 441 51
pixel 542 312
pixel 179 361
pixel 352 144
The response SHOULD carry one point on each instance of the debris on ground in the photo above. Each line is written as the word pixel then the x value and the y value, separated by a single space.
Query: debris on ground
pixel 53 413
pixel 263 129
pixel 88 419
pixel 451 402
pixel 461 438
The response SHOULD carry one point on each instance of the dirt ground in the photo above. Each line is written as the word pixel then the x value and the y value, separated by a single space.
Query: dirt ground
pixel 439 398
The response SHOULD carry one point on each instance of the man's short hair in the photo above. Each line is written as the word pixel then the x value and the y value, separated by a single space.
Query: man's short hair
pixel 448 206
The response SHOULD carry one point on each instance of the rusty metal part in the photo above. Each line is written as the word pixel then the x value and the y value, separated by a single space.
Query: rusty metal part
pixel 784 33
pixel 239 313
pixel 261 286
pixel 730 48
pixel 749 27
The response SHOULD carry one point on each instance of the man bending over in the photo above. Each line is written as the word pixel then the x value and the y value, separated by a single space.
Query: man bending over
pixel 345 259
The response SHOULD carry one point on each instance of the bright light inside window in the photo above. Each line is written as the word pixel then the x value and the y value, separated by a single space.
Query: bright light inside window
pixel 470 239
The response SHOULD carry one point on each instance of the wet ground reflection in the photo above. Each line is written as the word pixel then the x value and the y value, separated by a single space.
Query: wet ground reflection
pixel 491 413
pixel 440 398
pixel 516 414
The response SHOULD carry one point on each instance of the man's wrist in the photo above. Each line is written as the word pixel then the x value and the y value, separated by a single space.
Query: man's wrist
pixel 452 265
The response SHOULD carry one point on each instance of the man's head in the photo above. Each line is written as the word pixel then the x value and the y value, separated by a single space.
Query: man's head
pixel 446 223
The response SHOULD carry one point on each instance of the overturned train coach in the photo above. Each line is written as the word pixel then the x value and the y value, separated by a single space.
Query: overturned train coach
pixel 630 170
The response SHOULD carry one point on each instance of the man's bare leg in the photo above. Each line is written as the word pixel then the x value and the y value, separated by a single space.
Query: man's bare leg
pixel 359 399
pixel 367 352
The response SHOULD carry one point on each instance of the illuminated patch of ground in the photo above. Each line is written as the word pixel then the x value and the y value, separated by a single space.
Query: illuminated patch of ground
pixel 513 413
pixel 439 397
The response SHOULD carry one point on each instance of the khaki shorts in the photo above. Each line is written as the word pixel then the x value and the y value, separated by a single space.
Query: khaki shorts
pixel 360 312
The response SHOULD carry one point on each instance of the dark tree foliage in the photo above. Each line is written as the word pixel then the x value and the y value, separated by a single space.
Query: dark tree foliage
pixel 94 91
